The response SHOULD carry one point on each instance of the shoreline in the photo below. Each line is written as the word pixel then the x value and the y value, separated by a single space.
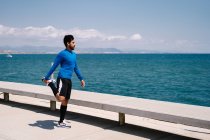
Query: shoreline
pixel 112 53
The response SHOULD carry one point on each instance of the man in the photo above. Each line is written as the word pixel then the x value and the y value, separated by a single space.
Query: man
pixel 68 65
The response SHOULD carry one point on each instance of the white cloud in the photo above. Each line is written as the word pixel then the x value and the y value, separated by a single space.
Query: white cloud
pixel 52 36
pixel 48 31
pixel 87 34
pixel 52 32
pixel 4 30
pixel 118 37
pixel 136 37
pixel 39 32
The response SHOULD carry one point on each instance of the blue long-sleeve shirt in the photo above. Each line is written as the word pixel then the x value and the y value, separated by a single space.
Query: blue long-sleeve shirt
pixel 67 61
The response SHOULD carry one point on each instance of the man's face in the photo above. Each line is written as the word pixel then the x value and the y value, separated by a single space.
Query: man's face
pixel 71 45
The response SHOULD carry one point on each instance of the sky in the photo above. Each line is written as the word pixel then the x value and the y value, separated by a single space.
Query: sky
pixel 176 26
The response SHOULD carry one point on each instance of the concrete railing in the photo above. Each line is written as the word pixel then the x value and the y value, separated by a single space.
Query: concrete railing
pixel 197 116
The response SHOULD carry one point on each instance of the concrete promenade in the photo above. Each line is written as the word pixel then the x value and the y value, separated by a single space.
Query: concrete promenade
pixel 26 118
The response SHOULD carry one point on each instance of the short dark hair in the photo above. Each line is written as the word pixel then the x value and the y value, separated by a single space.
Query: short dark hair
pixel 67 38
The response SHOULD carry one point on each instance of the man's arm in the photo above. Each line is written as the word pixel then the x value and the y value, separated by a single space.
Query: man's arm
pixel 77 71
pixel 57 61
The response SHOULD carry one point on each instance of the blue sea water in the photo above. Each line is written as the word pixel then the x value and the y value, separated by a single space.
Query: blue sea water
pixel 181 78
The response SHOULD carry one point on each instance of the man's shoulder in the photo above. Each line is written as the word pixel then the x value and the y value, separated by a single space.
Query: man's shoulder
pixel 65 52
pixel 62 52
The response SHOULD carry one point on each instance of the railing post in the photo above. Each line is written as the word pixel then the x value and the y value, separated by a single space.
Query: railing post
pixel 121 118
pixel 52 105
pixel 6 96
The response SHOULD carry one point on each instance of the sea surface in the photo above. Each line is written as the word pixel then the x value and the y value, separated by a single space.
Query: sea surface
pixel 181 78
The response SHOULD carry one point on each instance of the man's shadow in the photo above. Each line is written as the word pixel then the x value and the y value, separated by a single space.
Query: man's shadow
pixel 47 124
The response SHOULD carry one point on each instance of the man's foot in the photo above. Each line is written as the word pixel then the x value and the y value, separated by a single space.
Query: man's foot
pixel 51 84
pixel 61 124
pixel 48 81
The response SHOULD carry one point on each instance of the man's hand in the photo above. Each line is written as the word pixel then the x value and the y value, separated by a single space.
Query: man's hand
pixel 83 83
pixel 45 81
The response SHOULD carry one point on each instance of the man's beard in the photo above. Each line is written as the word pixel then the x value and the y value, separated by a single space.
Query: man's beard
pixel 71 48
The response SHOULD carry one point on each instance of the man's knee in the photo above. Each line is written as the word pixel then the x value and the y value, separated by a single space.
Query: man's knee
pixel 60 98
pixel 64 102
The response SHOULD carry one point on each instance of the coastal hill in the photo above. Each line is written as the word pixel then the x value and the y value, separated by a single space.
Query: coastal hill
pixel 55 50
pixel 52 50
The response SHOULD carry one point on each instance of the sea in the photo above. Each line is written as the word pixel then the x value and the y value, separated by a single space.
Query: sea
pixel 180 78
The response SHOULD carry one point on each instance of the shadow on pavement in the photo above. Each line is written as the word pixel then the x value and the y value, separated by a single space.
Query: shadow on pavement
pixel 48 124
pixel 45 124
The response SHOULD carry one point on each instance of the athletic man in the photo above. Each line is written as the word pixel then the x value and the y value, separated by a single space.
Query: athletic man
pixel 68 65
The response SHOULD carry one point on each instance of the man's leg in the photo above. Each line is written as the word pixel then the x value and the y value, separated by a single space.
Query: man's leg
pixel 51 84
pixel 63 109
pixel 53 88
pixel 63 97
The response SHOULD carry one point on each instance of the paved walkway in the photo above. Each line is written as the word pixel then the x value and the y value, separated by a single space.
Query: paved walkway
pixel 31 119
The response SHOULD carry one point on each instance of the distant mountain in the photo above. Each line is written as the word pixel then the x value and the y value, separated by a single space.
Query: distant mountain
pixel 144 52
pixel 29 49
pixel 54 50
pixel 47 49
pixel 98 50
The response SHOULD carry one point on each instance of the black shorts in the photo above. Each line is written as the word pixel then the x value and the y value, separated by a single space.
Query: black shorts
pixel 64 87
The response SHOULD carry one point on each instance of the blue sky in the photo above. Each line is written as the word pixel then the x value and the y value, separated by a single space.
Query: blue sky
pixel 129 25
